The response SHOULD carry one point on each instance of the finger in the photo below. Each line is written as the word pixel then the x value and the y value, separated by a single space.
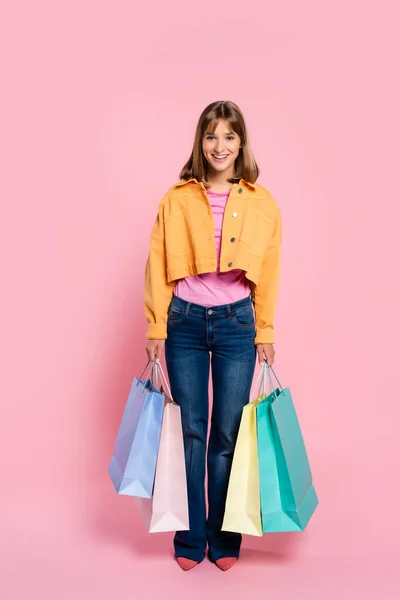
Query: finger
pixel 157 354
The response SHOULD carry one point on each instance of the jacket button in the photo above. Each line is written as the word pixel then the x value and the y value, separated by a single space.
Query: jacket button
pixel 240 190
pixel 230 264
pixel 234 214
pixel 232 239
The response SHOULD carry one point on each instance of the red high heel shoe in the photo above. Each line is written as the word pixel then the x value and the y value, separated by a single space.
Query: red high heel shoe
pixel 186 563
pixel 226 562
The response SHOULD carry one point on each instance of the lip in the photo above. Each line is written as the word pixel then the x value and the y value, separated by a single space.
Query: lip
pixel 220 160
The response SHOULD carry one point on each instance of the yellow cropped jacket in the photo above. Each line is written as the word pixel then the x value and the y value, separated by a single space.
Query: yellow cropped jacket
pixel 182 243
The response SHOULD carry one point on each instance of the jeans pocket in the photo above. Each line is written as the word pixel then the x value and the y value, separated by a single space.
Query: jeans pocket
pixel 244 317
pixel 175 316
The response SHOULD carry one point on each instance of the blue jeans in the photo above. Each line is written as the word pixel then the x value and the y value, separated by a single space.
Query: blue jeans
pixel 228 332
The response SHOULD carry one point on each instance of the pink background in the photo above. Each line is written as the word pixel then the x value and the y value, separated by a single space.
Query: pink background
pixel 99 106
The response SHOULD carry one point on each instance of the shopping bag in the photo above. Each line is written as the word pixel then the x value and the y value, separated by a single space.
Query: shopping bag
pixel 288 496
pixel 242 505
pixel 168 510
pixel 133 464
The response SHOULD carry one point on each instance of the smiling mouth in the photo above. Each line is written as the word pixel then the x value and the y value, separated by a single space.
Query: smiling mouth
pixel 219 158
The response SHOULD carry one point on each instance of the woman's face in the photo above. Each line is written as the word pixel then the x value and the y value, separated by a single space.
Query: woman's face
pixel 221 148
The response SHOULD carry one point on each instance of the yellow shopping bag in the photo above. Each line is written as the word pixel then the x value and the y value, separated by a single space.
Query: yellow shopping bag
pixel 242 506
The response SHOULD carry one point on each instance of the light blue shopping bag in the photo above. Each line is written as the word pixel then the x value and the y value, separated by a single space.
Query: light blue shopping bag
pixel 287 494
pixel 133 464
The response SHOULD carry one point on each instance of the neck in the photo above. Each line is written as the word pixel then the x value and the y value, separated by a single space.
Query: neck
pixel 218 181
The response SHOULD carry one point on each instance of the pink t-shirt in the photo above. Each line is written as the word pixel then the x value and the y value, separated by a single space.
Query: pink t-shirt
pixel 212 289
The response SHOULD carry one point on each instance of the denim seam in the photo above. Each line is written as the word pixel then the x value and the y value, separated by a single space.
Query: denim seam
pixel 243 325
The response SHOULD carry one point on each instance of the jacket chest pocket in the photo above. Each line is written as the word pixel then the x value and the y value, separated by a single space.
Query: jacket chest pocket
pixel 257 231
pixel 177 234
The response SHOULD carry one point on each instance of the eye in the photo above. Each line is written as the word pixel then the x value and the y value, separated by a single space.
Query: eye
pixel 230 137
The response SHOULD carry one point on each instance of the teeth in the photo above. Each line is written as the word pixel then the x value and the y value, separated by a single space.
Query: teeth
pixel 222 156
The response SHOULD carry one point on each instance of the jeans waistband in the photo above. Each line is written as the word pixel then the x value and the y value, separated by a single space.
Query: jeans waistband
pixel 218 310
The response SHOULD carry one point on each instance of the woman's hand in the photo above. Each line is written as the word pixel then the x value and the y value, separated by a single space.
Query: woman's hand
pixel 155 349
pixel 265 352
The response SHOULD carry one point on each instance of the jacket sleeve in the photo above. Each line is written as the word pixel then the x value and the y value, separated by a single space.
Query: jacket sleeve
pixel 157 292
pixel 265 293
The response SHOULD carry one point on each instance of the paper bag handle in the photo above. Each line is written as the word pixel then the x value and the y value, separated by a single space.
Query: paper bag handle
pixel 265 368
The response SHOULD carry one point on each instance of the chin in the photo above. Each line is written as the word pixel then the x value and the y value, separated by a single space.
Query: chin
pixel 218 167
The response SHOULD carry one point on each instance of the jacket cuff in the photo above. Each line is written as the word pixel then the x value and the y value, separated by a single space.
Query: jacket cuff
pixel 157 331
pixel 265 336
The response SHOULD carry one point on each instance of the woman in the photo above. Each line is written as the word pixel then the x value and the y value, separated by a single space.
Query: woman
pixel 211 283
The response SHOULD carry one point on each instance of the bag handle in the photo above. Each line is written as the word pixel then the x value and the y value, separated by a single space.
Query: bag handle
pixel 151 374
pixel 265 369
pixel 256 384
pixel 260 384
pixel 160 369
pixel 141 374
pixel 269 369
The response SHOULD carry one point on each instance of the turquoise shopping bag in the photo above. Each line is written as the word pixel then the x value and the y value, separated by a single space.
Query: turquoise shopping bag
pixel 287 494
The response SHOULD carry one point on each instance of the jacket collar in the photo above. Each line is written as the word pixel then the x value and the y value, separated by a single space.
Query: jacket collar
pixel 185 181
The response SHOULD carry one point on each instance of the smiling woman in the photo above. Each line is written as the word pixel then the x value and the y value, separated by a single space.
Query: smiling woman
pixel 221 151
pixel 221 148
pixel 215 247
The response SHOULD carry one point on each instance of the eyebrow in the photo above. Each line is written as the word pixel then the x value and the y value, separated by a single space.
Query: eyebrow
pixel 227 133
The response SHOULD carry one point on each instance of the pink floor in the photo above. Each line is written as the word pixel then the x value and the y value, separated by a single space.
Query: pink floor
pixel 71 553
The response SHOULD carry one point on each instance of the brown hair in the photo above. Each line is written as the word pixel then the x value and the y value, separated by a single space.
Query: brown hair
pixel 245 164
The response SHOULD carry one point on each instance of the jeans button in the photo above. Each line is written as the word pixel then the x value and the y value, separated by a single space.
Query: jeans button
pixel 210 312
